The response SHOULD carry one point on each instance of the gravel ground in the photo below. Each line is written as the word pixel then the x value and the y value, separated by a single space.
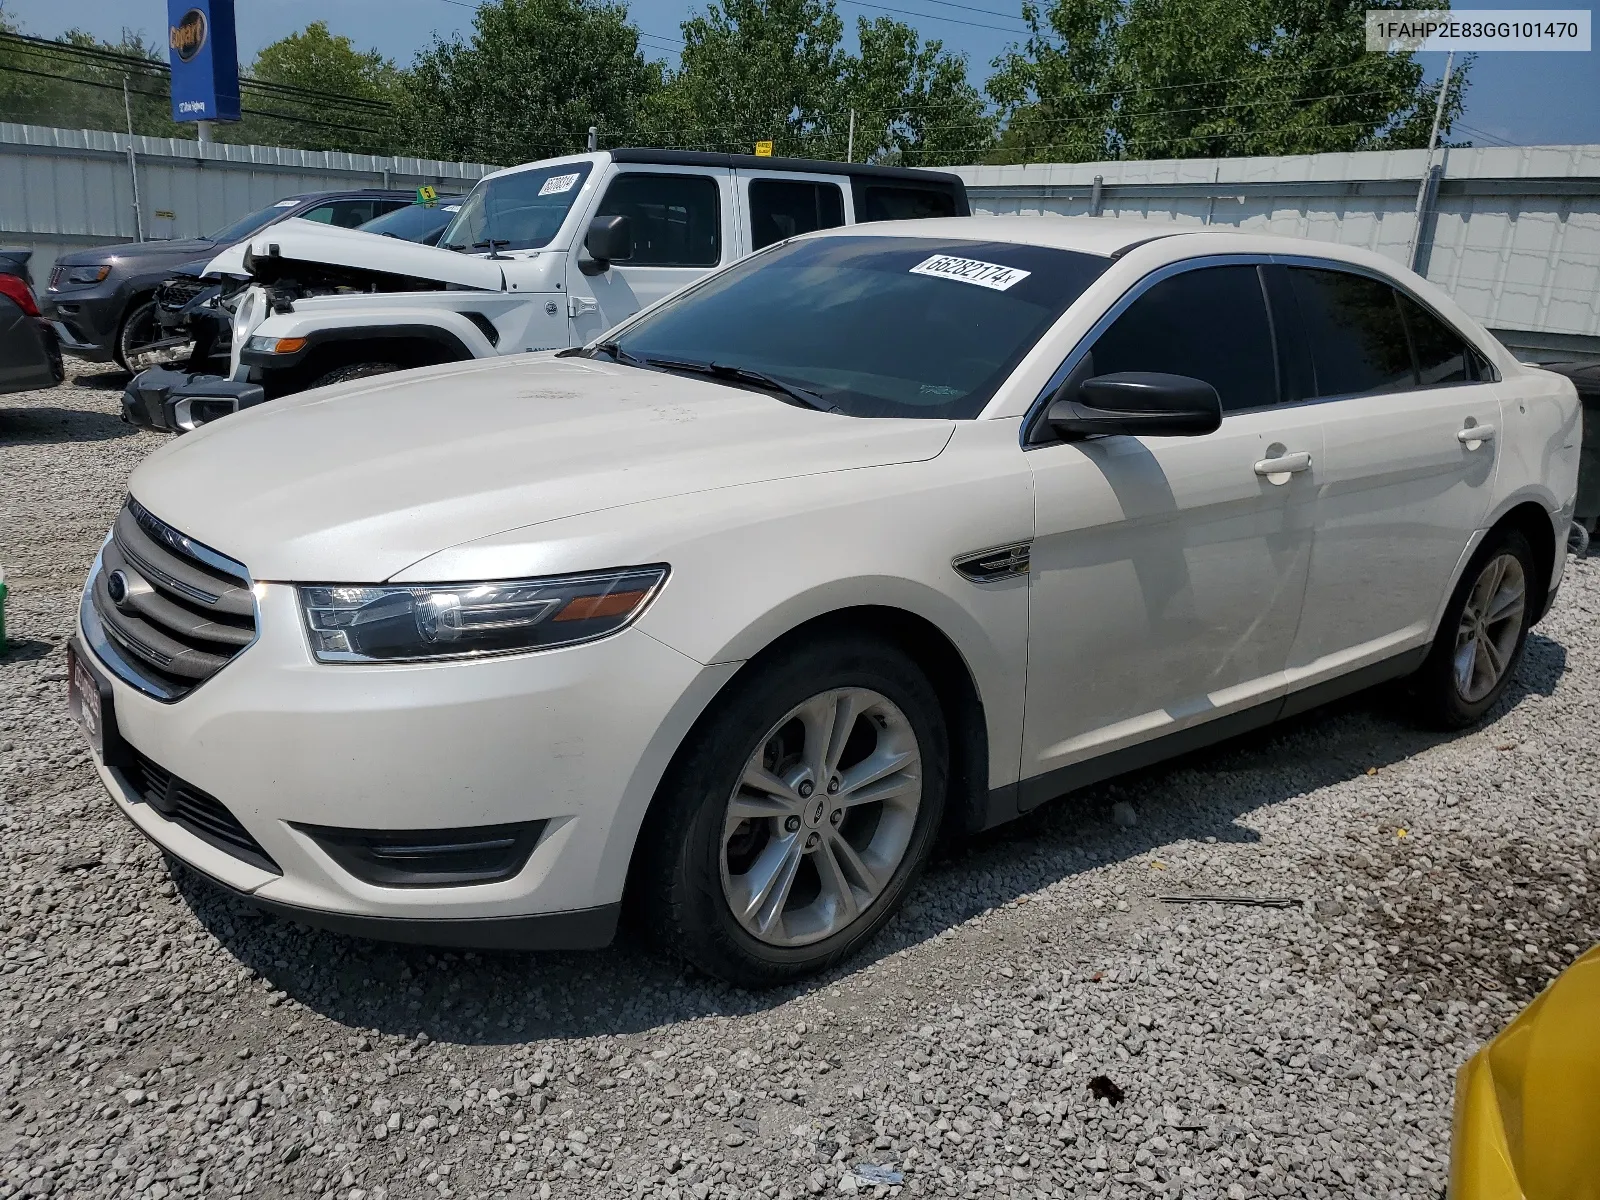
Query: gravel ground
pixel 1036 1024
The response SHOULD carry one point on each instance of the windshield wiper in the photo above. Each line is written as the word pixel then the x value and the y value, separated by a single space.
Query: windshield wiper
pixel 493 245
pixel 795 395
pixel 617 353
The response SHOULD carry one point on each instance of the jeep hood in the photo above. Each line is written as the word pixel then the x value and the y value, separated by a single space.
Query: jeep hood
pixel 301 241
pixel 354 483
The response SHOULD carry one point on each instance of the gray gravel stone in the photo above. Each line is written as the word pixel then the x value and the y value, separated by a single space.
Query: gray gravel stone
pixel 1260 1052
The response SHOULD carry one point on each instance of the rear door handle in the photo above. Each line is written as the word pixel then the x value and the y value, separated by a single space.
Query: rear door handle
pixel 1278 470
pixel 1471 436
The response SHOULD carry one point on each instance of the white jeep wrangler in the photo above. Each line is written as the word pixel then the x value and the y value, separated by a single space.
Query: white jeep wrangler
pixel 540 257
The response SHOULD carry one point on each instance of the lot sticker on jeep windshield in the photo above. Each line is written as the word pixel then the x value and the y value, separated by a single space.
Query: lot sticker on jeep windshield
pixel 971 270
pixel 558 183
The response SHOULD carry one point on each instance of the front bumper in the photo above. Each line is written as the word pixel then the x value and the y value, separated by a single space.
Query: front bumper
pixel 86 322
pixel 178 401
pixel 577 738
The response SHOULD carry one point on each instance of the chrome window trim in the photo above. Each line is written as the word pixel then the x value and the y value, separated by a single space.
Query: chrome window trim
pixel 1035 412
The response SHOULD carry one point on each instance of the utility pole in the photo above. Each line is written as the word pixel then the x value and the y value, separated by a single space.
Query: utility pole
pixel 1429 183
pixel 594 138
pixel 133 164
pixel 850 145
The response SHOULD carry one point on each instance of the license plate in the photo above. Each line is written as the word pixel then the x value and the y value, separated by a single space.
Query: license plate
pixel 83 700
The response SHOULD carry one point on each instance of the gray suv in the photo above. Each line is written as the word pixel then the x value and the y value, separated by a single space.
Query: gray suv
pixel 102 301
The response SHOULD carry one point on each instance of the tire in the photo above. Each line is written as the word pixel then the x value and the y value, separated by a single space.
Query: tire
pixel 698 859
pixel 1454 687
pixel 138 328
pixel 354 371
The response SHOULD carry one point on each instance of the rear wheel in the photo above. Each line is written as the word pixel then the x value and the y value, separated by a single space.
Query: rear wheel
pixel 1482 635
pixel 793 823
pixel 354 371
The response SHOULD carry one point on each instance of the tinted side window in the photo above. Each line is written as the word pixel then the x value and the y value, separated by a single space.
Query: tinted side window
pixel 885 202
pixel 1209 324
pixel 1358 341
pixel 1441 354
pixel 676 218
pixel 781 208
pixel 347 214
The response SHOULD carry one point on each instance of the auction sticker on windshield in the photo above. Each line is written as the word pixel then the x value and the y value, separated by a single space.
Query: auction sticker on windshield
pixel 971 270
pixel 558 183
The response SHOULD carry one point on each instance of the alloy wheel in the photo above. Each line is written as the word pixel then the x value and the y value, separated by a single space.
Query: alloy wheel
pixel 1491 623
pixel 821 817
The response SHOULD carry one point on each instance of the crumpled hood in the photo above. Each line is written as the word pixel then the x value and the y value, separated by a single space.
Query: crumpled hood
pixel 312 241
pixel 351 484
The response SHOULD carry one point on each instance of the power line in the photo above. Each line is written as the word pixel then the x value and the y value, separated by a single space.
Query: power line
pixel 296 118
pixel 153 68
pixel 906 12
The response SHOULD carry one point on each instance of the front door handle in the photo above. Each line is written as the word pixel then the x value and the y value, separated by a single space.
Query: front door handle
pixel 1473 436
pixel 1277 470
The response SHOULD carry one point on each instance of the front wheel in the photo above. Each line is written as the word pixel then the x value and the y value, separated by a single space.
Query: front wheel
pixel 139 329
pixel 792 824
pixel 1482 635
pixel 354 371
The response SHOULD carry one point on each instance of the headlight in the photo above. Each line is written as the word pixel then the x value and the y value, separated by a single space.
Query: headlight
pixel 87 274
pixel 463 620
pixel 272 345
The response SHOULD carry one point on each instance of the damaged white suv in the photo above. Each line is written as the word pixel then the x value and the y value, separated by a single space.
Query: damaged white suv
pixel 883 533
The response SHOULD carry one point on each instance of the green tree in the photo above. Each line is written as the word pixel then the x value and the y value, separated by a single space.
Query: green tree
pixel 912 100
pixel 77 82
pixel 1199 78
pixel 354 105
pixel 531 80
pixel 755 70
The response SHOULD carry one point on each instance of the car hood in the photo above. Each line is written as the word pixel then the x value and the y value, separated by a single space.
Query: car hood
pixel 141 254
pixel 297 240
pixel 356 482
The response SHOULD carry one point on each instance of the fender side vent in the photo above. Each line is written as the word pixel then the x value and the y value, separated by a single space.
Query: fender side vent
pixel 997 563
pixel 485 326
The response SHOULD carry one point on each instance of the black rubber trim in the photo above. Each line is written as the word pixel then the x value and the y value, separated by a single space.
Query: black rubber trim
pixel 1013 799
pixel 402 858
pixel 935 180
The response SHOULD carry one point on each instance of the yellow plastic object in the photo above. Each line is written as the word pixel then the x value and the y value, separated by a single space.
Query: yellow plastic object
pixel 1527 1111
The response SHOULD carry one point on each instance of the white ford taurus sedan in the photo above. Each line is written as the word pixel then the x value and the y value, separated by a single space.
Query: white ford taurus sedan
pixel 885 533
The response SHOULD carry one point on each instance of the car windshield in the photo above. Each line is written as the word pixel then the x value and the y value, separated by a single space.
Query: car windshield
pixel 414 222
pixel 873 326
pixel 245 226
pixel 520 211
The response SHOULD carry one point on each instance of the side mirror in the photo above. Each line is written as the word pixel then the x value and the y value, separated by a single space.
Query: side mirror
pixel 609 240
pixel 1138 403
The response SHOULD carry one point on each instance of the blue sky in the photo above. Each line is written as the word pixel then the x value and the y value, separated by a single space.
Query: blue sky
pixel 1518 98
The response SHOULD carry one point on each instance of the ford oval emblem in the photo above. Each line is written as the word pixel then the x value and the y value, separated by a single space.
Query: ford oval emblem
pixel 117 587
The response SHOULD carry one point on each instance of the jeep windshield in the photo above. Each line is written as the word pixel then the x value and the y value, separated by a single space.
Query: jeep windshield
pixel 519 211
pixel 866 326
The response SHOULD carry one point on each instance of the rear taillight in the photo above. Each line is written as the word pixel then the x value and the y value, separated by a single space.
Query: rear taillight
pixel 17 289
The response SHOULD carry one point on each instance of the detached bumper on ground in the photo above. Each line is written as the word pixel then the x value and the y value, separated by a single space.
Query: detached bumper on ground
pixel 178 401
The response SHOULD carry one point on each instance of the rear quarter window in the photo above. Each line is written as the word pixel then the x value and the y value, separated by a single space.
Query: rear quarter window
pixel 894 202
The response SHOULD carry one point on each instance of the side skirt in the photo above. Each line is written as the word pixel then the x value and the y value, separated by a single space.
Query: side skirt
pixel 1012 800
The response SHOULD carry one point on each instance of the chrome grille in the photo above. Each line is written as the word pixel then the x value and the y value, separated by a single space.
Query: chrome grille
pixel 175 609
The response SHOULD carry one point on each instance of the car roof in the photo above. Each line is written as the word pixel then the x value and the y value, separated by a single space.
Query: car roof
pixel 363 193
pixel 815 166
pixel 1111 237
pixel 702 158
